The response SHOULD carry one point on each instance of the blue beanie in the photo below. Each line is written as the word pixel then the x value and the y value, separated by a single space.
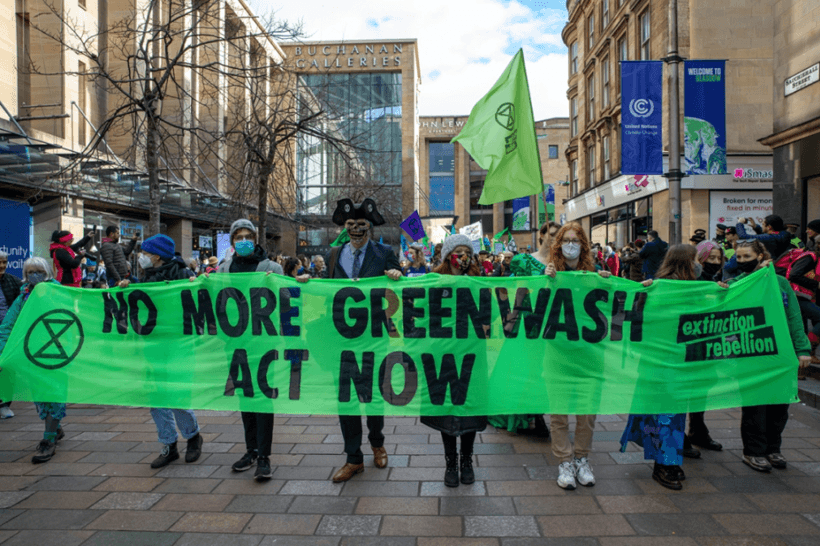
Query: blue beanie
pixel 161 245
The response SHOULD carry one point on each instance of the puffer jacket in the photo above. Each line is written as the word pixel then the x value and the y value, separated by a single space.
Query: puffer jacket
pixel 116 258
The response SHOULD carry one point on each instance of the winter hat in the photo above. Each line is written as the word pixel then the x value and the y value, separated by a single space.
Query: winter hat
pixel 451 242
pixel 814 225
pixel 242 223
pixel 705 248
pixel 161 245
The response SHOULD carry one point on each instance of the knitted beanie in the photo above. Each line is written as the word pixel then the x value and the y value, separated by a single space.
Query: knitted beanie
pixel 814 225
pixel 451 242
pixel 161 245
pixel 242 223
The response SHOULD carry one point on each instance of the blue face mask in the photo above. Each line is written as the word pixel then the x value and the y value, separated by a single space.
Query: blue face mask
pixel 36 278
pixel 244 248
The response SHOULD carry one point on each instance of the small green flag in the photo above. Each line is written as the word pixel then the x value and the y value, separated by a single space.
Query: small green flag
pixel 500 136
pixel 499 235
pixel 341 239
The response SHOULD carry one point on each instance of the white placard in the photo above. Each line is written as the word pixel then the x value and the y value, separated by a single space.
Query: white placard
pixel 802 79
pixel 725 207
pixel 473 231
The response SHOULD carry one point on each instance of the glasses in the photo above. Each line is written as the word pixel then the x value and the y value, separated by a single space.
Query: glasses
pixel 571 241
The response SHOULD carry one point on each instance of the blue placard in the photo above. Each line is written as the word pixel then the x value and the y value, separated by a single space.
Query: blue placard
pixel 641 117
pixel 704 121
pixel 16 238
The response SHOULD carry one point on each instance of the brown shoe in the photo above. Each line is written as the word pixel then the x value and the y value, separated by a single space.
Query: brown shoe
pixel 379 457
pixel 348 471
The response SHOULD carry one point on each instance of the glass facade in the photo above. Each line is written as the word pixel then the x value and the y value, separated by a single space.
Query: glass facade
pixel 362 110
pixel 619 225
pixel 442 180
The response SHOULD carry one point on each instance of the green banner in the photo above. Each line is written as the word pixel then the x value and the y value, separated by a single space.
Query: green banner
pixel 434 345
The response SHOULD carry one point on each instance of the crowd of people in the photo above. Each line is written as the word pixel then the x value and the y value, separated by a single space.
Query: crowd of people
pixel 735 251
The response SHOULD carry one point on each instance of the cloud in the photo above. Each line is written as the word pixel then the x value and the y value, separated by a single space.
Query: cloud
pixel 464 45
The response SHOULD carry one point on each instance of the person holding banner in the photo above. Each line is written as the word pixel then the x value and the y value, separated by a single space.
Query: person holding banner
pixel 570 251
pixel 418 266
pixel 157 261
pixel 761 427
pixel 35 271
pixel 361 257
pixel 457 259
pixel 9 290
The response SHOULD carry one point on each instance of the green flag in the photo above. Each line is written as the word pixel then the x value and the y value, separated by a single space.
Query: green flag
pixel 500 234
pixel 500 136
pixel 341 239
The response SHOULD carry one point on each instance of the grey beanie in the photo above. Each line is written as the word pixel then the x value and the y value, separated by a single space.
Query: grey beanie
pixel 451 242
pixel 242 223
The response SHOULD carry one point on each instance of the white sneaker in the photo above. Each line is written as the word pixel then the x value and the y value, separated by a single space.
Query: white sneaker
pixel 584 472
pixel 6 413
pixel 566 476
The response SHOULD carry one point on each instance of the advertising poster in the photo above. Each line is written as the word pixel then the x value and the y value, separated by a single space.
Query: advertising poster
pixel 642 117
pixel 725 207
pixel 16 235
pixel 521 214
pixel 704 121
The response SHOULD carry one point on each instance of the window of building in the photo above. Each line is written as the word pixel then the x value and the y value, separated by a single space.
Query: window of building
pixel 81 3
pixel 574 113
pixel 591 165
pixel 591 95
pixel 623 50
pixel 81 96
pixel 605 83
pixel 442 182
pixel 591 31
pixel 645 34
pixel 553 151
pixel 605 14
pixel 605 145
pixel 573 67
pixel 574 176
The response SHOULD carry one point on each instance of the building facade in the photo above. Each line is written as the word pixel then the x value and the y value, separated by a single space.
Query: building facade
pixel 618 208
pixel 795 137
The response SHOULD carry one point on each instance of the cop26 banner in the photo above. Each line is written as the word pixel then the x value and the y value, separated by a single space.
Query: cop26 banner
pixel 431 345
pixel 704 118
pixel 641 117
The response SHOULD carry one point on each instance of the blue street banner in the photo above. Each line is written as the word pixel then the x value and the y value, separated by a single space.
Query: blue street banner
pixel 641 117
pixel 16 232
pixel 521 214
pixel 704 117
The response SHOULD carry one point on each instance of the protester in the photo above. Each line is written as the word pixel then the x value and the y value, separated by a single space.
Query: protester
pixel 710 258
pixel 570 251
pixel 632 258
pixel 9 290
pixel 213 264
pixel 774 237
pixel 795 240
pixel 652 254
pixel 361 257
pixel 486 263
pixel 157 261
pixel 248 256
pixel 812 231
pixel 456 255
pixel 436 260
pixel 803 274
pixel 68 258
pixel 613 262
pixel 502 269
pixel 418 266
pixel 761 427
pixel 317 266
pixel 35 271
pixel 292 268
pixel 115 256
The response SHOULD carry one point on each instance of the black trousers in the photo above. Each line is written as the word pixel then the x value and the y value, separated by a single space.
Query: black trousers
pixel 467 441
pixel 697 426
pixel 761 428
pixel 352 433
pixel 258 432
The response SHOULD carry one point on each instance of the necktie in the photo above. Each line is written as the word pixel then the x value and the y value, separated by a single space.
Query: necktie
pixel 357 262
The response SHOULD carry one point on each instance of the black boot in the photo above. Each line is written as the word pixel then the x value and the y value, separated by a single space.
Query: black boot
pixel 667 476
pixel 467 474
pixel 689 451
pixel 45 451
pixel 451 473
pixel 169 454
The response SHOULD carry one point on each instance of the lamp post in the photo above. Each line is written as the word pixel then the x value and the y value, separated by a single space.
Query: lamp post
pixel 674 175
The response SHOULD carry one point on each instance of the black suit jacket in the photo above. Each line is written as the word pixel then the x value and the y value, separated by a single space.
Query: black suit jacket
pixel 378 258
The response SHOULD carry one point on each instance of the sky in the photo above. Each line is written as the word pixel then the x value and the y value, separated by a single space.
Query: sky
pixel 464 45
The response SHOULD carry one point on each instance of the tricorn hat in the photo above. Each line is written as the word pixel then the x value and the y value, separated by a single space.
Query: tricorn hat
pixel 346 210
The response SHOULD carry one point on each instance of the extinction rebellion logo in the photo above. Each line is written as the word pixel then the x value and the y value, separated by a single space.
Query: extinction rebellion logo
pixel 726 334
pixel 54 340
pixel 505 117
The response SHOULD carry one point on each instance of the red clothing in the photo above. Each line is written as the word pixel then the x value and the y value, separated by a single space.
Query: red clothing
pixel 613 263
pixel 66 264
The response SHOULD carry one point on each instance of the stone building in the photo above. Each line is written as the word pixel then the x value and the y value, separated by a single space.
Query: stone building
pixel 618 208
pixel 795 138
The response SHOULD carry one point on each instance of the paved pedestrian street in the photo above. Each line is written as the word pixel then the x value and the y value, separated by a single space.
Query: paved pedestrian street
pixel 100 490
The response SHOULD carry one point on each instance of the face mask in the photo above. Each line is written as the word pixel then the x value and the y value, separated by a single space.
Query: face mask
pixel 244 248
pixel 748 267
pixel 698 269
pixel 36 278
pixel 462 262
pixel 571 250
pixel 711 269
pixel 145 262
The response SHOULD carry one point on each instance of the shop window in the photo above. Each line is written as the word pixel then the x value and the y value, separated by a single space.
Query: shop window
pixel 605 83
pixel 574 113
pixel 645 35
pixel 591 31
pixel 553 151
pixel 591 103
pixel 442 157
pixel 606 157
pixel 574 176
pixel 442 191
pixel 591 165
pixel 573 67
pixel 604 14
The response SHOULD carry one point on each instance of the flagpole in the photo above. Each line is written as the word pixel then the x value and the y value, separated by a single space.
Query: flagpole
pixel 674 175
pixel 534 220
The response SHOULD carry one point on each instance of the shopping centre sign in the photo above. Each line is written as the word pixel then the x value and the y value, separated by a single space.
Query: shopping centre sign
pixel 332 56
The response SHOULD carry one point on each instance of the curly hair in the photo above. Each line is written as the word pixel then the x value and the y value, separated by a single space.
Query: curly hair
pixel 585 262
pixel 444 268
pixel 679 263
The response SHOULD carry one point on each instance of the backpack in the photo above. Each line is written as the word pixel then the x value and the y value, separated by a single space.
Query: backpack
pixel 783 267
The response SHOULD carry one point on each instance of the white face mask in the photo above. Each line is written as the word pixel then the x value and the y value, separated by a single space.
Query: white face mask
pixel 145 261
pixel 571 250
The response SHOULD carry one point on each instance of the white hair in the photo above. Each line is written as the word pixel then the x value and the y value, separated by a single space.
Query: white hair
pixel 4 255
pixel 35 261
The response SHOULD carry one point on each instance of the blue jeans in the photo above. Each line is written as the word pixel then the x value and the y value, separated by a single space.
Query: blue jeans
pixel 167 430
